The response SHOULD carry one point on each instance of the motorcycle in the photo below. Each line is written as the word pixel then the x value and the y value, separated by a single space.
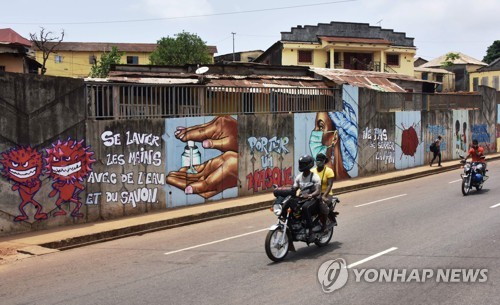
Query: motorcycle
pixel 292 227
pixel 473 175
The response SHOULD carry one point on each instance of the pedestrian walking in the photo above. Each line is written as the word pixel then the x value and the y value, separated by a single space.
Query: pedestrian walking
pixel 435 148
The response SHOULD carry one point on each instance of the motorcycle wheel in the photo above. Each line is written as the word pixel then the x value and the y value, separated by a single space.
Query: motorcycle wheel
pixel 274 251
pixel 465 188
pixel 325 238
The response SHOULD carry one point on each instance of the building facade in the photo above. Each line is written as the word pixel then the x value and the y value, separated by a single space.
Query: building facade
pixel 75 59
pixel 486 76
pixel 16 54
pixel 343 45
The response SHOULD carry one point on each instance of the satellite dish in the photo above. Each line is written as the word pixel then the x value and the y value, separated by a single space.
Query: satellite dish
pixel 201 70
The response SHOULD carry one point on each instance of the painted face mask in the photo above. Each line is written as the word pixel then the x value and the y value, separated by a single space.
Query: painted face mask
pixel 316 142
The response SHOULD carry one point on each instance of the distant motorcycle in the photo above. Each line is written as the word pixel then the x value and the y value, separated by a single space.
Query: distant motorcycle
pixel 292 227
pixel 473 176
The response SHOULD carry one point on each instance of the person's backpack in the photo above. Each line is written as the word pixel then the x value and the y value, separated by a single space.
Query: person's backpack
pixel 432 148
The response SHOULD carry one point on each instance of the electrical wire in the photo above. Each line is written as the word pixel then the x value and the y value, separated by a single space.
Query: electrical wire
pixel 183 17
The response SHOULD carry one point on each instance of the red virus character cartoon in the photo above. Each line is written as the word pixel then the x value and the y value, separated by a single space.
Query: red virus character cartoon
pixel 68 164
pixel 23 165
pixel 409 141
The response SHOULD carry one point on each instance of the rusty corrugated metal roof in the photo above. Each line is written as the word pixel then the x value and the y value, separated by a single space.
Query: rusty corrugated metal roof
pixel 355 40
pixel 365 79
pixel 217 79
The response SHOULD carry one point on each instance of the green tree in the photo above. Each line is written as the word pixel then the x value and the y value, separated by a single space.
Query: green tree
pixel 493 52
pixel 185 48
pixel 450 59
pixel 100 68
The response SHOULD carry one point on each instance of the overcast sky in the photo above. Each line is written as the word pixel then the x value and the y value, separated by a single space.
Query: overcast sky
pixel 438 26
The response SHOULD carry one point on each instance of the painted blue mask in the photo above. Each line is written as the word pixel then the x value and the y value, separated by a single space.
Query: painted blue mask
pixel 316 143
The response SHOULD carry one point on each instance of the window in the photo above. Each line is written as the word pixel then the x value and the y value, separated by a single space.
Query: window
pixel 92 59
pixel 2 68
pixel 484 81
pixel 132 60
pixel 392 59
pixel 305 57
pixel 475 82
pixel 425 75
pixel 58 59
pixel 439 78
pixel 496 84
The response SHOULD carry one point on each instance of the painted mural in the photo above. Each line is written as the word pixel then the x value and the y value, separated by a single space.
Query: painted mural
pixel 409 150
pixel 378 140
pixel 461 139
pixel 202 159
pixel 334 134
pixel 131 168
pixel 66 163
pixel 23 166
pixel 481 134
pixel 265 152
pixel 498 128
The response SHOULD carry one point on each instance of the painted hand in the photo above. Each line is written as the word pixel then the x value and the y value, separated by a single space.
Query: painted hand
pixel 221 133
pixel 212 177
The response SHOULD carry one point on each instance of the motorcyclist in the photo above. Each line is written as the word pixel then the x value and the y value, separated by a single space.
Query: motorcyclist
pixel 326 175
pixel 477 154
pixel 310 188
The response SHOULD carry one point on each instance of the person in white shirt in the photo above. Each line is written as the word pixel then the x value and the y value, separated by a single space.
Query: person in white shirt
pixel 309 184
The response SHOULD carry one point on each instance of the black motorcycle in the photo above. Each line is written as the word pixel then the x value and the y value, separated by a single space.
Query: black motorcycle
pixel 473 176
pixel 292 226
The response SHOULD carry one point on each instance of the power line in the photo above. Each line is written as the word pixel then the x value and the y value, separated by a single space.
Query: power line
pixel 183 17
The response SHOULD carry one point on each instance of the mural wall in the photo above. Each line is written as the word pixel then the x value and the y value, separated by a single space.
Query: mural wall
pixel 266 145
pixel 334 134
pixel 202 159
pixel 409 148
pixel 128 176
pixel 131 167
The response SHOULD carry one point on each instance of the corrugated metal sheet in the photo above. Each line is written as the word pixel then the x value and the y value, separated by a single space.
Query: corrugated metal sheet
pixel 363 79
pixel 217 79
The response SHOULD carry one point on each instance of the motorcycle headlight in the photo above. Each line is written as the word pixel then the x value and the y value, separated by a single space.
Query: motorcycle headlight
pixel 277 208
pixel 467 167
pixel 479 166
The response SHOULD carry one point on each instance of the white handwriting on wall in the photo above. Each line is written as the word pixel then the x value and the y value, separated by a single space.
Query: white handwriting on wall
pixel 266 147
pixel 139 187
pixel 377 139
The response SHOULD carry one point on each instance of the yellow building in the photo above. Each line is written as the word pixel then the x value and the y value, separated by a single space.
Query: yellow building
pixel 75 59
pixel 486 76
pixel 343 45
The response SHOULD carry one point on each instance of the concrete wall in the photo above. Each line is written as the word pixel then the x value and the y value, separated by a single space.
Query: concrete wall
pixel 60 170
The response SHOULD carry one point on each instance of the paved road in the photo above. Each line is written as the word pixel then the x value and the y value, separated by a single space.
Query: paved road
pixel 424 224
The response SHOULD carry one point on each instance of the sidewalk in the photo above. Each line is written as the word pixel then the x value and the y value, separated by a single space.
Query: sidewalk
pixel 37 243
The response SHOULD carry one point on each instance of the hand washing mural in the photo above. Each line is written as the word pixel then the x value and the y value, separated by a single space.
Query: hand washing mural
pixel 202 159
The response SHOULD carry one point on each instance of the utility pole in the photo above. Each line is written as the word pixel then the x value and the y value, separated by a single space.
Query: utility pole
pixel 234 59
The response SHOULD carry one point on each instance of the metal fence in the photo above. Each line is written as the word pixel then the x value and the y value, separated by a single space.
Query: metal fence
pixel 125 101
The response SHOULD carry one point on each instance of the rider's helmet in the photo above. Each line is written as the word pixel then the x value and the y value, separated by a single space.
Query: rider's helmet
pixel 305 162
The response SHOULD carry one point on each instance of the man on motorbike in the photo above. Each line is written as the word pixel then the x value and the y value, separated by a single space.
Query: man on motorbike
pixel 310 188
pixel 477 154
pixel 326 175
